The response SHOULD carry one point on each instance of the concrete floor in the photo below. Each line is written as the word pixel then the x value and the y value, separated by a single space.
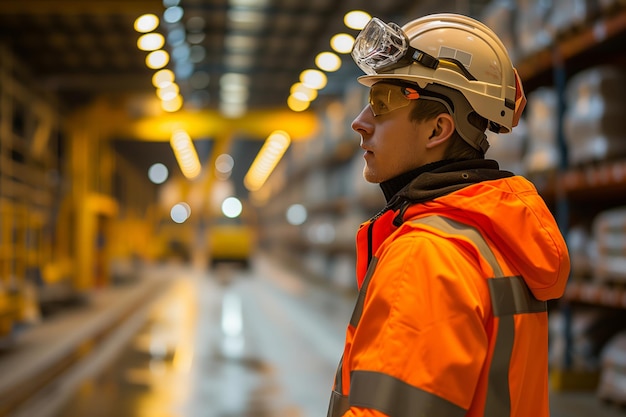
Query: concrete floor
pixel 229 343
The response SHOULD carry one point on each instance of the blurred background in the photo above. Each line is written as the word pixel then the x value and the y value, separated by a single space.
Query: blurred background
pixel 180 189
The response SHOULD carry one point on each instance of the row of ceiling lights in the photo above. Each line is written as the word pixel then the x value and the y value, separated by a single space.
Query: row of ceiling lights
pixel 304 91
pixel 233 86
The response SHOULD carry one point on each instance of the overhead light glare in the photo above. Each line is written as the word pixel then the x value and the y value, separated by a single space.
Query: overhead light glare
pixel 296 104
pixel 150 42
pixel 313 78
pixel 246 17
pixel 266 160
pixel 232 207
pixel 233 110
pixel 172 105
pixel 342 43
pixel 158 173
pixel 356 19
pixel 185 153
pixel 157 59
pixel 303 93
pixel 162 78
pixel 180 212
pixel 169 92
pixel 173 14
pixel 328 61
pixel 234 79
pixel 146 23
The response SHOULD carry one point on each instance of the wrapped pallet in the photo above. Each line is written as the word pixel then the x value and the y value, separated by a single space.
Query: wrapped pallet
pixel 612 385
pixel 532 30
pixel 609 229
pixel 594 122
pixel 569 14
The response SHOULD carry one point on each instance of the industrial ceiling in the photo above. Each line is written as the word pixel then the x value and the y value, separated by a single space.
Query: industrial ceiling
pixel 81 50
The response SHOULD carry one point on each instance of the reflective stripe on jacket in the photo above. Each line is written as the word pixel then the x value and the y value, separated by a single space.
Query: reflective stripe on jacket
pixel 452 336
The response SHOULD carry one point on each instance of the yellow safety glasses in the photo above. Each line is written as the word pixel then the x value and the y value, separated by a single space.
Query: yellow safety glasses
pixel 386 97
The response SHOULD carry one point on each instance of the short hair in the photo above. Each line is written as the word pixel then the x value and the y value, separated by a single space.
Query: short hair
pixel 457 148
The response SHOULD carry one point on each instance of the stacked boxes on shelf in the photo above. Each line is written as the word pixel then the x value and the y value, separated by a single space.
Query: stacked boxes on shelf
pixel 594 122
pixel 609 230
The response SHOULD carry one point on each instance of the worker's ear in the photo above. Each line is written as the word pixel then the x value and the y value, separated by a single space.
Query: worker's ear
pixel 443 127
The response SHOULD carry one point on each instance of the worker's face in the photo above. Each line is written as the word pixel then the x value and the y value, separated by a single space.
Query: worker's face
pixel 393 143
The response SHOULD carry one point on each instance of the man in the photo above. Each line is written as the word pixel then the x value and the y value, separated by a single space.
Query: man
pixel 455 271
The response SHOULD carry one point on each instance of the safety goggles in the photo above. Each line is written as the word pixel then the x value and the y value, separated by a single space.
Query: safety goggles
pixel 386 97
pixel 381 46
pixel 384 46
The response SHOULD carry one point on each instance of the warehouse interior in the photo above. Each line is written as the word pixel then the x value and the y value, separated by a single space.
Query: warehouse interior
pixel 129 136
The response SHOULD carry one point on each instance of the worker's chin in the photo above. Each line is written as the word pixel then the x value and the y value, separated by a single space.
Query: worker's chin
pixel 371 175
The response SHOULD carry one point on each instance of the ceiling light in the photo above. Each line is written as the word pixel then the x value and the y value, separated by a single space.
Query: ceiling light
pixel 234 96
pixel 313 78
pixel 158 173
pixel 185 153
pixel 248 3
pixel 233 110
pixel 246 17
pixel 180 212
pixel 232 207
pixel 356 19
pixel 146 23
pixel 266 160
pixel 224 163
pixel 173 14
pixel 172 105
pixel 303 93
pixel 157 59
pixel 234 79
pixel 169 92
pixel 162 78
pixel 296 214
pixel 328 61
pixel 240 42
pixel 150 42
pixel 295 104
pixel 342 43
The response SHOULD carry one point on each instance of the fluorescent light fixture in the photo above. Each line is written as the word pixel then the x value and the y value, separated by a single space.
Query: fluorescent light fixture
pixel 266 160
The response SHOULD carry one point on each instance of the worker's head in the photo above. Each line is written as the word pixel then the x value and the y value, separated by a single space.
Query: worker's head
pixel 449 64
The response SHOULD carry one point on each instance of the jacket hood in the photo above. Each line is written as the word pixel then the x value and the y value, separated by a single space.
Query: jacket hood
pixel 509 212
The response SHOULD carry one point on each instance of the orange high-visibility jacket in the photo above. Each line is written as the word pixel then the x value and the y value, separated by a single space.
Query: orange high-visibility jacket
pixel 451 317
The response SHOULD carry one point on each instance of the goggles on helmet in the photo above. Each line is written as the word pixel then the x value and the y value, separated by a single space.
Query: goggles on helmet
pixel 381 46
pixel 384 46
pixel 386 97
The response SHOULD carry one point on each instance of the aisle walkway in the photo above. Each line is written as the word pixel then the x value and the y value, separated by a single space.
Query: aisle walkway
pixel 229 343
pixel 225 343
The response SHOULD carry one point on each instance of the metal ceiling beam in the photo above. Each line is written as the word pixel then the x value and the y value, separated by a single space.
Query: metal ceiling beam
pixel 76 7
